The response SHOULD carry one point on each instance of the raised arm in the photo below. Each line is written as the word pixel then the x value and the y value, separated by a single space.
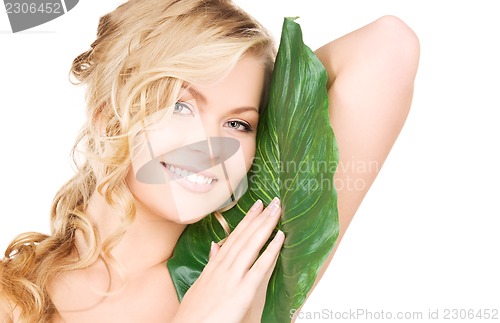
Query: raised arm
pixel 371 76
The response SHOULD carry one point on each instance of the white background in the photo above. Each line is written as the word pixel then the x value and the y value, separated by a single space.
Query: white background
pixel 425 237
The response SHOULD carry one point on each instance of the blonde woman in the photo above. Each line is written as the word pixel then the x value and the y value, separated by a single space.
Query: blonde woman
pixel 160 76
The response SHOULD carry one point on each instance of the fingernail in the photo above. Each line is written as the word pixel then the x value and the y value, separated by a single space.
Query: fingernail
pixel 256 205
pixel 275 201
pixel 274 209
pixel 279 237
pixel 212 245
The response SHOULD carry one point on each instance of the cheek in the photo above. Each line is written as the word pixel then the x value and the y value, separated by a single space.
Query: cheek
pixel 248 147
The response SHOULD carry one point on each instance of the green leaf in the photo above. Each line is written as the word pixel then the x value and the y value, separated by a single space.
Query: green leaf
pixel 295 160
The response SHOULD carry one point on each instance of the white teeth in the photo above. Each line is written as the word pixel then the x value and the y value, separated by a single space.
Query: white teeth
pixel 190 176
pixel 197 179
pixel 193 178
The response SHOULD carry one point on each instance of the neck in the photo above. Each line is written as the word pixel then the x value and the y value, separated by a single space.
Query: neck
pixel 148 241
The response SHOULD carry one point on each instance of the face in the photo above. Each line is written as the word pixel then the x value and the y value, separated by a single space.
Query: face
pixel 195 161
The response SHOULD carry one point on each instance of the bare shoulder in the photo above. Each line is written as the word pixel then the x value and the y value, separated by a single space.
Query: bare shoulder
pixel 5 313
pixel 5 309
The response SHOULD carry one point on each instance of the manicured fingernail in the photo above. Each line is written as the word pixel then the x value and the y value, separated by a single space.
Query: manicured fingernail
pixel 256 205
pixel 274 209
pixel 275 201
pixel 279 237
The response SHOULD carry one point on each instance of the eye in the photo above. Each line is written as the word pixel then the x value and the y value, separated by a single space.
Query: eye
pixel 239 126
pixel 183 108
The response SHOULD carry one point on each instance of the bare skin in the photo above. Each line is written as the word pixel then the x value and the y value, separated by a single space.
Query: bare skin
pixel 380 61
pixel 371 80
pixel 149 295
pixel 371 74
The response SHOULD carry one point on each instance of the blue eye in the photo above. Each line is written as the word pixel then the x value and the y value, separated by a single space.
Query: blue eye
pixel 239 126
pixel 183 108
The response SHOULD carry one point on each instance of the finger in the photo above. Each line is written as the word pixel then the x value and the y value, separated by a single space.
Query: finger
pixel 266 262
pixel 214 249
pixel 252 213
pixel 271 268
pixel 259 300
pixel 269 272
pixel 249 243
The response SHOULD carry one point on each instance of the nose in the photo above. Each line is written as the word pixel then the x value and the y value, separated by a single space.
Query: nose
pixel 195 131
pixel 210 143
pixel 208 128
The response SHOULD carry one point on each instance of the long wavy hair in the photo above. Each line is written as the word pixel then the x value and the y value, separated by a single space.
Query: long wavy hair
pixel 144 52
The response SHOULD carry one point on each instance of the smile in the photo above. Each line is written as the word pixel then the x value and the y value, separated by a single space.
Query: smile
pixel 192 180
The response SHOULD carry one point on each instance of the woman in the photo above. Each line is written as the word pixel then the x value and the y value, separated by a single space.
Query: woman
pixel 163 79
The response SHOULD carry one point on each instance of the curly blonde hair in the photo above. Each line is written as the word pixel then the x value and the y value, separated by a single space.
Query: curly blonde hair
pixel 144 52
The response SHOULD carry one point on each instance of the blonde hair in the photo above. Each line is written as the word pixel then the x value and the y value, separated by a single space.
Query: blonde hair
pixel 144 52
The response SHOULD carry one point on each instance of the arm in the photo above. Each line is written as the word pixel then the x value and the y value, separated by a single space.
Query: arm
pixel 370 86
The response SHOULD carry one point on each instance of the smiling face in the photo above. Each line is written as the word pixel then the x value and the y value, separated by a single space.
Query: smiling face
pixel 194 161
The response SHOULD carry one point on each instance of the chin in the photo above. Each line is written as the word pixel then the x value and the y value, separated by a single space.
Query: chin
pixel 192 220
pixel 189 214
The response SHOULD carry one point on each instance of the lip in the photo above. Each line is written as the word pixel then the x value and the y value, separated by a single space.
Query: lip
pixel 187 184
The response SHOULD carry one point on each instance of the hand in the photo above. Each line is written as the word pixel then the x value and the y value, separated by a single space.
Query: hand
pixel 235 277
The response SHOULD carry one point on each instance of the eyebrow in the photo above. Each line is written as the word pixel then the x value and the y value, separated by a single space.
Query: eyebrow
pixel 200 97
pixel 197 95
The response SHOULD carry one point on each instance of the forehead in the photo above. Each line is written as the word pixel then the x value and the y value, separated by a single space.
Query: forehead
pixel 242 86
